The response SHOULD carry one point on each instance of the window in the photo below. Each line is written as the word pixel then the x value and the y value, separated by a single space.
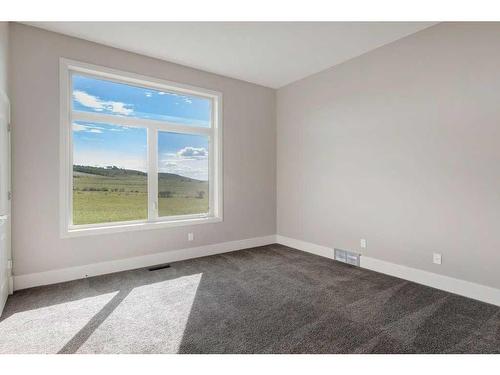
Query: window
pixel 136 152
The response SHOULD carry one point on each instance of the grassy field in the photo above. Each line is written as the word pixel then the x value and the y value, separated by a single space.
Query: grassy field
pixel 103 195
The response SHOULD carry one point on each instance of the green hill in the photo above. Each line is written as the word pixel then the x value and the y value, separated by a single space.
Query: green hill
pixel 117 194
pixel 114 171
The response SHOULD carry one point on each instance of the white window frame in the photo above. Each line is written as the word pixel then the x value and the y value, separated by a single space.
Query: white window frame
pixel 68 115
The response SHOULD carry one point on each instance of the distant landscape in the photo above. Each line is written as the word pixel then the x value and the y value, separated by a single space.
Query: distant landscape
pixel 114 194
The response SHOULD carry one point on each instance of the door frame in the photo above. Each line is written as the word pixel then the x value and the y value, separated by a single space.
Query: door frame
pixel 5 199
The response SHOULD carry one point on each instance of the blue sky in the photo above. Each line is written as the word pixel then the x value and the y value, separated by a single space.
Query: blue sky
pixel 103 145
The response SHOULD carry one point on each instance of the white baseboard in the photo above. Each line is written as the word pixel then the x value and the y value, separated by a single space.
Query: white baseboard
pixel 81 272
pixel 465 288
pixel 449 284
pixel 305 246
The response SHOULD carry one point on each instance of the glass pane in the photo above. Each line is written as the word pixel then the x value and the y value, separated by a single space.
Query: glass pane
pixel 109 173
pixel 102 96
pixel 182 174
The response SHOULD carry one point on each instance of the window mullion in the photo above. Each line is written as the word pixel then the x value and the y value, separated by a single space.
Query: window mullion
pixel 152 173
pixel 211 173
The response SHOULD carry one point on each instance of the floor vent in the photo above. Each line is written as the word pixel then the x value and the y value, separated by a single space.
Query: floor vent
pixel 159 267
pixel 348 257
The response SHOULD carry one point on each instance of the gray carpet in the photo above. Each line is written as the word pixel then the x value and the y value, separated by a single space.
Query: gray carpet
pixel 271 299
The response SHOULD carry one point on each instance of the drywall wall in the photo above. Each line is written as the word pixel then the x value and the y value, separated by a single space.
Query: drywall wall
pixel 400 146
pixel 4 167
pixel 249 157
pixel 4 48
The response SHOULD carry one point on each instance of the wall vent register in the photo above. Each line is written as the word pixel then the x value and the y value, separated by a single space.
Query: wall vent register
pixel 346 256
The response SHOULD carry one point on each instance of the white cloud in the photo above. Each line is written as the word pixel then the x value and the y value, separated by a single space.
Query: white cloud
pixel 189 162
pixel 192 168
pixel 103 158
pixel 193 152
pixel 117 128
pixel 118 107
pixel 167 93
pixel 86 128
pixel 88 100
pixel 99 105
pixel 149 94
pixel 185 99
pixel 79 128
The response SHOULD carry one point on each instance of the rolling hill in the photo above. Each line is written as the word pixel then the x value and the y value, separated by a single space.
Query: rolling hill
pixel 117 194
pixel 113 171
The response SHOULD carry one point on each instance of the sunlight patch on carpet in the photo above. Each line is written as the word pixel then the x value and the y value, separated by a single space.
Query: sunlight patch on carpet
pixel 152 318
pixel 47 329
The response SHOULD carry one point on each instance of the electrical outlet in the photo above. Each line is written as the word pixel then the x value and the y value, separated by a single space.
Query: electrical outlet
pixel 436 258
pixel 190 236
pixel 362 243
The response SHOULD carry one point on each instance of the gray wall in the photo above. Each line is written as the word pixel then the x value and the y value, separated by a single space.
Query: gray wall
pixel 4 203
pixel 249 156
pixel 400 146
pixel 4 47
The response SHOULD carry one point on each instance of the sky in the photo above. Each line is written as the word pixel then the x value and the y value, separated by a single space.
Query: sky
pixel 103 145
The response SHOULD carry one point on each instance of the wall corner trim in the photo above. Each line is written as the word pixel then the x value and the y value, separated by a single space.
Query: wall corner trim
pixel 95 269
pixel 449 284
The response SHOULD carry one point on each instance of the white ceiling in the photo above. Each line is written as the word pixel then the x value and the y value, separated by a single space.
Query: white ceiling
pixel 271 54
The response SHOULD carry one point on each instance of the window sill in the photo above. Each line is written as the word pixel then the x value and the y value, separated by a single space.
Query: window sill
pixel 136 226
